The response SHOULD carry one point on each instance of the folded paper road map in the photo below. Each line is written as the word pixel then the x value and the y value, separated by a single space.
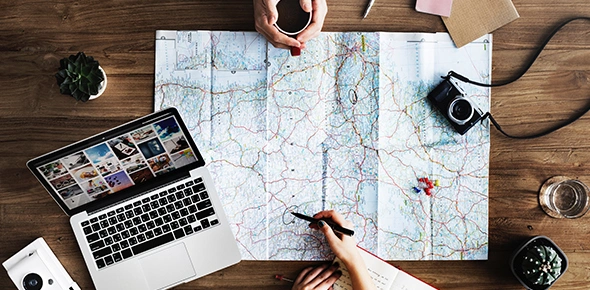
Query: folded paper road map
pixel 345 126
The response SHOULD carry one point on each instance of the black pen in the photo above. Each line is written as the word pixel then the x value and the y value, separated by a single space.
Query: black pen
pixel 334 226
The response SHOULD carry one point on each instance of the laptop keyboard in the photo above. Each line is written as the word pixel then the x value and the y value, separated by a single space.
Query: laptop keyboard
pixel 154 220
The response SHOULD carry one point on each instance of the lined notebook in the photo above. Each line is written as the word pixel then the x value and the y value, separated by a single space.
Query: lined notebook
pixel 384 275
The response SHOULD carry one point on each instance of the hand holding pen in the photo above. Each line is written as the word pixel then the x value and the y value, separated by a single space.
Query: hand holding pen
pixel 329 222
pixel 315 222
pixel 344 247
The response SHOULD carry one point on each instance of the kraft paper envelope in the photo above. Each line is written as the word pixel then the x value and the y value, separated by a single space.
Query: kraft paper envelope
pixel 471 19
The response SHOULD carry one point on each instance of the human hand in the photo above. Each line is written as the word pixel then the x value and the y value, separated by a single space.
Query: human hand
pixel 343 246
pixel 320 278
pixel 320 9
pixel 266 15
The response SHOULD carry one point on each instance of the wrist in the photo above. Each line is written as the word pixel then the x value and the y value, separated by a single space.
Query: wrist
pixel 353 260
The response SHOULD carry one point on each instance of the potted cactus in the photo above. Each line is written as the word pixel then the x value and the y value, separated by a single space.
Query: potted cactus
pixel 81 77
pixel 538 263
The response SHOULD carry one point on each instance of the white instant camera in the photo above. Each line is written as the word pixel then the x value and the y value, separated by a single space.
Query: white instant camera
pixel 36 267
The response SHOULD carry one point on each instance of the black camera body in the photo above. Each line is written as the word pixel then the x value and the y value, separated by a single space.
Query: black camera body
pixel 452 102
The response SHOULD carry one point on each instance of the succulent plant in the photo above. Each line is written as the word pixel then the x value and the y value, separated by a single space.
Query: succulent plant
pixel 79 76
pixel 541 265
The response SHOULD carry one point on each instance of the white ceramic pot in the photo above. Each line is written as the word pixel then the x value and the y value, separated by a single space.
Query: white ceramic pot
pixel 102 87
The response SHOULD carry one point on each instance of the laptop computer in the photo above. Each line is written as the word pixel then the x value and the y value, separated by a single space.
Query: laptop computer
pixel 142 205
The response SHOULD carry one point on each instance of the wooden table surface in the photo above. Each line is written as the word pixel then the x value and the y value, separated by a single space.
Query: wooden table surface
pixel 36 118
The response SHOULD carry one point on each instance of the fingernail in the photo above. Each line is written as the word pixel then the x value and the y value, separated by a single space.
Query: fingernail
pixel 321 224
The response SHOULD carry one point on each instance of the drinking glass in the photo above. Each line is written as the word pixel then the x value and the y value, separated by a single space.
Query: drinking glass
pixel 564 197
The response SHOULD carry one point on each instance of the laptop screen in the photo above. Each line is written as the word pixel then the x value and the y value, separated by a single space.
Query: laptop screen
pixel 117 161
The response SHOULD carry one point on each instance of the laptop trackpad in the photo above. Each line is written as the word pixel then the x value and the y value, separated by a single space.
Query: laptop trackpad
pixel 167 267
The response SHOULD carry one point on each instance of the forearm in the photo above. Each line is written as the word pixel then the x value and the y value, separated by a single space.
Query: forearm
pixel 345 248
pixel 359 275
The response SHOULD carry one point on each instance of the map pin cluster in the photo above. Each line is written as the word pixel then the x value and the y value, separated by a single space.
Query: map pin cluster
pixel 426 184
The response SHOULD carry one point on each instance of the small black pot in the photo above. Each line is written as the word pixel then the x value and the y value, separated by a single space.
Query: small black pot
pixel 518 257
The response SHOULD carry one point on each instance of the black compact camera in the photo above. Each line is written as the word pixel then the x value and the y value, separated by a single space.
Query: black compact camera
pixel 451 101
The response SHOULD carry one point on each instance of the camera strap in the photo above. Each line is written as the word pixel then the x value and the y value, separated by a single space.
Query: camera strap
pixel 526 68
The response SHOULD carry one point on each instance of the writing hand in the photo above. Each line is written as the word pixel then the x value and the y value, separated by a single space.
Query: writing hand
pixel 343 246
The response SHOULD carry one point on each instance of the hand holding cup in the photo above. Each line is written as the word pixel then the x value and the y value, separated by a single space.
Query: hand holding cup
pixel 289 24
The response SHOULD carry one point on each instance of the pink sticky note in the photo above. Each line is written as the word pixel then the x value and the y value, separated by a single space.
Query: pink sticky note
pixel 436 7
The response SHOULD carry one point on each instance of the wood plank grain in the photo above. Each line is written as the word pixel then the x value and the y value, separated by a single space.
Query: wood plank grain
pixel 36 118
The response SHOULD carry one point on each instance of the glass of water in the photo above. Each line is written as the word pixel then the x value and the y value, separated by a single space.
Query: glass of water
pixel 564 197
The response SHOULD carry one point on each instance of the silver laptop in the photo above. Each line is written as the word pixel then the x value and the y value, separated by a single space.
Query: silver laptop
pixel 142 205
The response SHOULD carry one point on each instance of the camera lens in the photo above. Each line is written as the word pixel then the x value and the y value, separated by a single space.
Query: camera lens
pixel 32 281
pixel 460 110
